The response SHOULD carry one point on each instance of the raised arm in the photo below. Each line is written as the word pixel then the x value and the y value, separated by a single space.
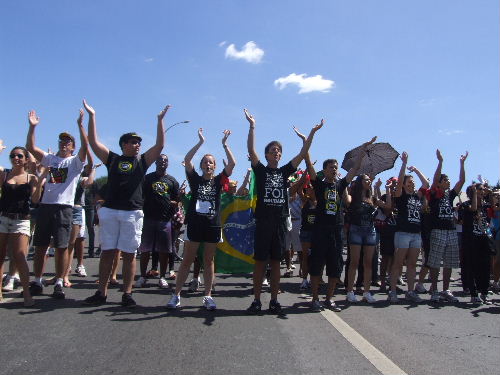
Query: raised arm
pixel 437 173
pixel 230 157
pixel 245 182
pixel 307 158
pixel 91 167
pixel 254 159
pixel 188 164
pixel 298 185
pixel 461 180
pixel 388 200
pixel 306 145
pixel 152 154
pixel 84 142
pixel 399 185
pixel 38 186
pixel 421 177
pixel 473 201
pixel 101 151
pixel 354 170
pixel 33 120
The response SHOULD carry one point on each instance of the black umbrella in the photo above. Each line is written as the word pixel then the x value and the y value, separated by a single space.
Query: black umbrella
pixel 379 157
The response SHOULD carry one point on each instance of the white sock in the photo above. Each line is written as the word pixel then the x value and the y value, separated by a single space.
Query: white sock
pixel 59 282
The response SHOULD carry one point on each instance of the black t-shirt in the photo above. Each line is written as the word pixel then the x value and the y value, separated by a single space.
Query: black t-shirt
pixel 329 201
pixel 125 180
pixel 409 208
pixel 158 192
pixel 308 217
pixel 474 223
pixel 441 205
pixel 362 214
pixel 272 194
pixel 204 204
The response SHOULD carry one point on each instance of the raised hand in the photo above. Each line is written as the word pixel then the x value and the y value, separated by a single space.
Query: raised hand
pixel 318 126
pixel 200 135
pixel 371 141
pixel 404 157
pixel 412 168
pixel 249 117
pixel 79 120
pixel 33 118
pixel 88 108
pixel 227 133
pixel 464 157
pixel 378 183
pixel 439 156
pixel 2 146
pixel 301 136
pixel 164 111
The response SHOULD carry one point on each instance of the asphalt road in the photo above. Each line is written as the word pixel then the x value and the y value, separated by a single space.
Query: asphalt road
pixel 62 336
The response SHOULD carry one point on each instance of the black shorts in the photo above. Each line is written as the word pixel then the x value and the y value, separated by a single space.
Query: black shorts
pixel 53 220
pixel 387 243
pixel 203 233
pixel 269 240
pixel 326 249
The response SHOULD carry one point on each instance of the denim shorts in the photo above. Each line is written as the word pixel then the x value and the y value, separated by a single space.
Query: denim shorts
pixel 363 236
pixel 77 218
pixel 406 240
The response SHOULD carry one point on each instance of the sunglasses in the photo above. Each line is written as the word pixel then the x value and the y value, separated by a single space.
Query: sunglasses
pixel 20 156
pixel 65 140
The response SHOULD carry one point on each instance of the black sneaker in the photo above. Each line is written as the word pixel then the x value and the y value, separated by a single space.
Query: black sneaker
pixel 58 292
pixel 128 301
pixel 275 307
pixel 36 289
pixel 255 307
pixel 95 300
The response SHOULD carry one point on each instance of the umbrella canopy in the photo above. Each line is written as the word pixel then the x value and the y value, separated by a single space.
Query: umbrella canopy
pixel 379 157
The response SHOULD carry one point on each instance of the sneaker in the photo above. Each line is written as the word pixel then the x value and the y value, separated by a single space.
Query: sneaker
pixel 293 266
pixel 476 300
pixel 162 283
pixel 194 285
pixel 95 300
pixel 275 307
pixel 265 282
pixel 127 300
pixel 435 296
pixel 401 282
pixel 209 303
pixel 485 299
pixel 80 271
pixel 413 296
pixel 392 297
pixel 288 273
pixel 175 302
pixel 9 284
pixel 316 306
pixel 140 283
pixel 328 304
pixel 255 307
pixel 58 292
pixel 171 275
pixel 152 273
pixel 36 289
pixel 367 297
pixel 351 297
pixel 448 296
pixel 303 285
pixel 420 288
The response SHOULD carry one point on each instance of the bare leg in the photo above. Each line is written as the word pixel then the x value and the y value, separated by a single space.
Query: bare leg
pixel 259 270
pixel 128 270
pixel 275 278
pixel 208 266
pixel 354 251
pixel 105 269
pixel 411 268
pixel 190 250
pixel 367 263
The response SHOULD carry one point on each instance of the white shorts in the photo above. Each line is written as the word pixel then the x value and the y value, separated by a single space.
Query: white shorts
pixel 120 229
pixel 8 225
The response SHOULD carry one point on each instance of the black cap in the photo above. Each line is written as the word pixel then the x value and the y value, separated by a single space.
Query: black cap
pixel 67 135
pixel 127 137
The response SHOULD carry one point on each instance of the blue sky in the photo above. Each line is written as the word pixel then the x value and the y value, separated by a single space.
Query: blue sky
pixel 420 75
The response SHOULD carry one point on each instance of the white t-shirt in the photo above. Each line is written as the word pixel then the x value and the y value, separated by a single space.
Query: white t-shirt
pixel 62 179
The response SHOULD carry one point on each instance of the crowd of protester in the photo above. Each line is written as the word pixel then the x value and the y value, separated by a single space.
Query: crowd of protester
pixel 49 198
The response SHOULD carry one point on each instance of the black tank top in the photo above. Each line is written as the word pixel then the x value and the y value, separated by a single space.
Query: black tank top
pixel 15 198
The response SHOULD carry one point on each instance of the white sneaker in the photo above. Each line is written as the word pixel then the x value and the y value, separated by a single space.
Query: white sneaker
pixel 265 282
pixel 420 288
pixel 209 303
pixel 140 283
pixel 293 266
pixel 448 296
pixel 162 283
pixel 175 302
pixel 80 271
pixel 194 284
pixel 367 297
pixel 351 297
pixel 9 284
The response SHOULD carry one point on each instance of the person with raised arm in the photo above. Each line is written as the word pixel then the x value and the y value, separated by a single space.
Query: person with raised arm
pixel 203 217
pixel 121 215
pixel 327 244
pixel 407 240
pixel 271 211
pixel 444 239
pixel 56 207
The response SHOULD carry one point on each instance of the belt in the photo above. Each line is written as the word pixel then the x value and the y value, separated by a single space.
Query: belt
pixel 16 216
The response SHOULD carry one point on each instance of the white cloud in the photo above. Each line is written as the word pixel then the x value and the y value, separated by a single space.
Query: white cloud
pixel 250 53
pixel 222 44
pixel 148 59
pixel 450 131
pixel 427 102
pixel 305 84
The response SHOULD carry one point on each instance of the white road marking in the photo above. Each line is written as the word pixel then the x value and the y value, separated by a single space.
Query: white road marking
pixel 375 356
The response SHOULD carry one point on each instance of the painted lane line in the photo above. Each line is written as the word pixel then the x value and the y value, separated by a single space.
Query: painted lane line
pixel 375 356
